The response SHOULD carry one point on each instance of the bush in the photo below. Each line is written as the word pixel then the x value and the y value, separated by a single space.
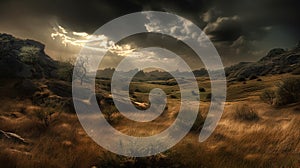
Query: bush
pixel 268 96
pixel 47 109
pixel 44 115
pixel 245 113
pixel 288 91
pixel 201 89
pixel 29 54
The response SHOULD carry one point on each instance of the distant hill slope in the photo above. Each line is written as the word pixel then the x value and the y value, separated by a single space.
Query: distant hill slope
pixel 277 61
pixel 24 58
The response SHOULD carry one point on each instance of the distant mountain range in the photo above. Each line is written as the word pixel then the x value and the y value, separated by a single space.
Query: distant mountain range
pixel 277 61
pixel 27 59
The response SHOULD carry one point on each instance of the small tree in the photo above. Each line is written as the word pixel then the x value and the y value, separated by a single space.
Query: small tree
pixel 80 69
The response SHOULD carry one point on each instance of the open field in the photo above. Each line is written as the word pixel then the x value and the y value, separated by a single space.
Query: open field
pixel 271 140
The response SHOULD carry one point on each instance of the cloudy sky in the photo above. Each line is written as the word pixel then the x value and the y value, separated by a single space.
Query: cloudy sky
pixel 241 30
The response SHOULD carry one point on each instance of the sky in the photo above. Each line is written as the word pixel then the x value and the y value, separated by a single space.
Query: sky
pixel 241 30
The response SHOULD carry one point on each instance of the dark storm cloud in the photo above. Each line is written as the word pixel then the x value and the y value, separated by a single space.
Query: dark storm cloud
pixel 240 29
pixel 255 15
pixel 224 29
pixel 244 30
pixel 89 15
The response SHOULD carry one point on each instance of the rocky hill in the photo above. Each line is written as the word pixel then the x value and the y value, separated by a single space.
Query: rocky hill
pixel 26 71
pixel 277 61
pixel 24 59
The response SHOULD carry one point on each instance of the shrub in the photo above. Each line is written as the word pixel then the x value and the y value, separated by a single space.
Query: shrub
pixel 268 96
pixel 288 91
pixel 201 89
pixel 29 54
pixel 47 109
pixel 245 113
pixel 44 114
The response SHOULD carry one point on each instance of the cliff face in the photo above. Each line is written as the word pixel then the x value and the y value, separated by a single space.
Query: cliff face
pixel 277 61
pixel 24 58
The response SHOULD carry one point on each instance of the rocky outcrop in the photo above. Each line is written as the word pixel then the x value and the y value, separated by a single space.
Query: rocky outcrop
pixel 24 58
pixel 55 94
pixel 277 61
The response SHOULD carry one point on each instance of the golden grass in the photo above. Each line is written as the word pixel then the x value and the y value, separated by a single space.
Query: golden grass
pixel 271 141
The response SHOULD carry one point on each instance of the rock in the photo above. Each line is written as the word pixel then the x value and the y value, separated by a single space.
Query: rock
pixel 24 58
pixel 15 152
pixel 12 137
pixel 47 99
pixel 275 51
